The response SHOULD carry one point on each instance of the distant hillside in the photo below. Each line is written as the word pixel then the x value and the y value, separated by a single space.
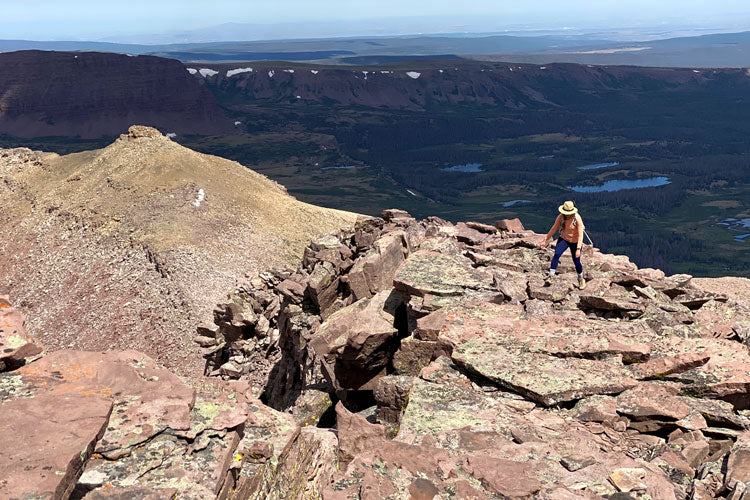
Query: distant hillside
pixel 131 246
pixel 421 84
pixel 95 94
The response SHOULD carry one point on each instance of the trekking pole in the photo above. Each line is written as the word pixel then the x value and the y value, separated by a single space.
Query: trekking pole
pixel 589 237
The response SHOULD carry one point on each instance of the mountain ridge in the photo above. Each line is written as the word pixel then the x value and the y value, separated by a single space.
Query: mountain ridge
pixel 160 230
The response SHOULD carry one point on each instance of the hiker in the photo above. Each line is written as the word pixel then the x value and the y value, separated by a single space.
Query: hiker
pixel 571 229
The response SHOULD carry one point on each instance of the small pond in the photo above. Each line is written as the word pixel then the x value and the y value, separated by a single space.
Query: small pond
pixel 597 166
pixel 737 225
pixel 470 168
pixel 515 202
pixel 622 184
pixel 342 167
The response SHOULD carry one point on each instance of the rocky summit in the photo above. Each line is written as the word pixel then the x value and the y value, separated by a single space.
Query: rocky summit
pixel 131 246
pixel 405 359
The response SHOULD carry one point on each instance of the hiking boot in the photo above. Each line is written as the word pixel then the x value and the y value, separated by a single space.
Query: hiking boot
pixel 581 283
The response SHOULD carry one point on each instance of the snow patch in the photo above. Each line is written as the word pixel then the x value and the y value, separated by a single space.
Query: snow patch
pixel 171 135
pixel 238 71
pixel 411 192
pixel 205 72
pixel 696 71
pixel 543 67
pixel 192 71
pixel 440 70
pixel 299 97
pixel 271 73
pixel 200 198
pixel 314 71
pixel 288 71
pixel 413 74
pixel 237 123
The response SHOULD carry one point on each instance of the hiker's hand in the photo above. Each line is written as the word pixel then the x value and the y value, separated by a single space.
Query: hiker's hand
pixel 578 253
pixel 545 243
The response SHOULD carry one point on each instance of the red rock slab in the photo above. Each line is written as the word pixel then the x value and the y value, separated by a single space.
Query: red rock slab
pixel 652 400
pixel 147 398
pixel 352 342
pixel 194 461
pixel 432 273
pixel 510 225
pixel 554 335
pixel 374 271
pixel 725 374
pixel 504 477
pixel 667 365
pixel 44 441
pixel 16 345
pixel 131 493
pixel 548 380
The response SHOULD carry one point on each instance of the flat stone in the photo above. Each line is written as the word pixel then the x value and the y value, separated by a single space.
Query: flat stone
pixel 661 367
pixel 545 379
pixel 629 479
pixel 45 441
pixel 465 234
pixel 426 272
pixel 484 228
pixel 611 303
pixel 504 477
pixel 652 400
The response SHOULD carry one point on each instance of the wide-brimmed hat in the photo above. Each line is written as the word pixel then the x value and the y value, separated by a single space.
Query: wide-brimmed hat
pixel 568 208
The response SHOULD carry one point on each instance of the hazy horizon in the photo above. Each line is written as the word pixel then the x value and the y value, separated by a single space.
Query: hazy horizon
pixel 192 21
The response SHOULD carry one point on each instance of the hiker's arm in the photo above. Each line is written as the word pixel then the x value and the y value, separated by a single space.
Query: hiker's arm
pixel 552 231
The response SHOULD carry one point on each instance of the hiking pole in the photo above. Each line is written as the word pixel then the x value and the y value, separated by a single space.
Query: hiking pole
pixel 589 237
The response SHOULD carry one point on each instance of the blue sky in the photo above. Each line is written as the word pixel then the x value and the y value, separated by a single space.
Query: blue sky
pixel 90 19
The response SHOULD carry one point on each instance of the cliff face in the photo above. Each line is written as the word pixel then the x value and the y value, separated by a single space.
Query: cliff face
pixel 95 94
pixel 419 85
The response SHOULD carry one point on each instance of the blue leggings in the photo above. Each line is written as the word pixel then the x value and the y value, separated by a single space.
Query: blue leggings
pixel 560 248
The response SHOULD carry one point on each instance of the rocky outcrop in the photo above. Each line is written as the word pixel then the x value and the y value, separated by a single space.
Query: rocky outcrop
pixel 490 381
pixel 92 94
pixel 466 377
pixel 116 425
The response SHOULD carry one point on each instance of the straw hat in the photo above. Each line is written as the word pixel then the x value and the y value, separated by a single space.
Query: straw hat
pixel 568 208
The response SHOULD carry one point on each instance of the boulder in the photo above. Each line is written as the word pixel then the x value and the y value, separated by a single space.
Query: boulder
pixel 392 396
pixel 323 285
pixel 374 271
pixel 414 354
pixel 466 234
pixel 395 215
pixel 510 225
pixel 16 345
pixel 484 228
pixel 303 470
pixel 356 343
